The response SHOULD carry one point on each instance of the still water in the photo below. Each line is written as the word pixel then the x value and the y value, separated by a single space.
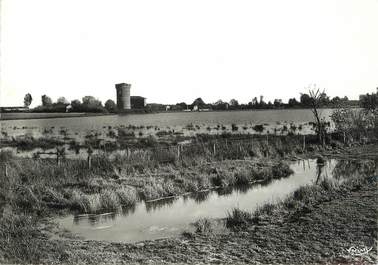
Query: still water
pixel 168 218
pixel 172 119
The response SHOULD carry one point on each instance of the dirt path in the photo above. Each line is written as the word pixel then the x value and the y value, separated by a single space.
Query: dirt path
pixel 321 233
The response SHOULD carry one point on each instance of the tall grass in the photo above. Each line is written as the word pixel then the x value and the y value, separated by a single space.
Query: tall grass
pixel 204 226
pixel 237 219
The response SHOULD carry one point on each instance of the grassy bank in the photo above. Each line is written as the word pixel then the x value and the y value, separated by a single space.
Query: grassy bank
pixel 33 189
pixel 316 224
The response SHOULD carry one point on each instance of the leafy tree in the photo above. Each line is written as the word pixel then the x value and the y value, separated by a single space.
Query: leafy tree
pixel 234 102
pixel 198 102
pixel 369 101
pixel 292 102
pixel 28 100
pixel 277 103
pixel 62 100
pixel 183 105
pixel 46 101
pixel 110 105
pixel 91 101
pixel 306 100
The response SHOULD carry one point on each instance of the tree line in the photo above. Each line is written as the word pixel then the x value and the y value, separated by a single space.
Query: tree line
pixel 305 101
pixel 91 104
pixel 87 104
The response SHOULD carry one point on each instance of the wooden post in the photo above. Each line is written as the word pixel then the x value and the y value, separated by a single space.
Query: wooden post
pixel 344 137
pixel 178 151
pixel 304 142
pixel 267 139
pixel 214 150
pixel 5 170
pixel 57 158
pixel 89 161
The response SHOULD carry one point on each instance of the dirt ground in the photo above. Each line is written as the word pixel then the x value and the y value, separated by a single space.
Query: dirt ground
pixel 321 233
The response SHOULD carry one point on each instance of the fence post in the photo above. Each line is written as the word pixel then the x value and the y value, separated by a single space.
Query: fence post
pixel 89 161
pixel 57 157
pixel 304 142
pixel 178 151
pixel 214 150
pixel 5 170
pixel 267 139
pixel 344 136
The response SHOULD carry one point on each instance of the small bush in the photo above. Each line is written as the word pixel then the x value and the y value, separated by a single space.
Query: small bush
pixel 234 127
pixel 258 128
pixel 238 219
pixel 242 177
pixel 127 196
pixel 6 155
pixel 281 170
pixel 109 200
pixel 204 226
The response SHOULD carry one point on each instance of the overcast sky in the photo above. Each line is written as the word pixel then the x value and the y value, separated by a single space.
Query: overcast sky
pixel 173 51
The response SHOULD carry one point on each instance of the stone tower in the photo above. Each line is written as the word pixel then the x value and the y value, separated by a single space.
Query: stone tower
pixel 123 96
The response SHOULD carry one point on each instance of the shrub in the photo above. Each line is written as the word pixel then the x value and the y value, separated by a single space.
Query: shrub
pixel 234 127
pixel 242 177
pixel 281 170
pixel 204 226
pixel 6 155
pixel 258 128
pixel 127 196
pixel 238 219
pixel 109 200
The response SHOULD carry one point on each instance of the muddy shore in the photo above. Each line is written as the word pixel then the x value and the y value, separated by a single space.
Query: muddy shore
pixel 320 231
pixel 321 234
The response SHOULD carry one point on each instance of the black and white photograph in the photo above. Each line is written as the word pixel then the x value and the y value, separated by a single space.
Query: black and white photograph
pixel 188 132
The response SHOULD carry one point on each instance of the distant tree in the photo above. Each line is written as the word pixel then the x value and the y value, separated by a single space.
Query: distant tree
pixel 277 103
pixel 91 104
pixel 110 105
pixel 234 102
pixel 183 105
pixel 91 101
pixel 219 102
pixel 306 100
pixel 28 100
pixel 198 102
pixel 369 101
pixel 292 102
pixel 46 101
pixel 336 100
pixel 62 100
pixel 324 99
pixel 254 101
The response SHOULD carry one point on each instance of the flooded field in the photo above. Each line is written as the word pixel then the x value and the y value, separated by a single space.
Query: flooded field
pixel 171 217
pixel 160 125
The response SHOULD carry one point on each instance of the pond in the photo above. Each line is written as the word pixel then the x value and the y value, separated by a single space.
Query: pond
pixel 171 217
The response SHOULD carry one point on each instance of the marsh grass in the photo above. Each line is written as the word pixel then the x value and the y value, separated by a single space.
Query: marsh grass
pixel 204 226
pixel 238 219
pixel 21 240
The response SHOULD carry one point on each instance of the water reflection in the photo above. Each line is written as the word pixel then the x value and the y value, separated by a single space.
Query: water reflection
pixel 171 216
pixel 158 204
pixel 199 197
pixel 94 219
